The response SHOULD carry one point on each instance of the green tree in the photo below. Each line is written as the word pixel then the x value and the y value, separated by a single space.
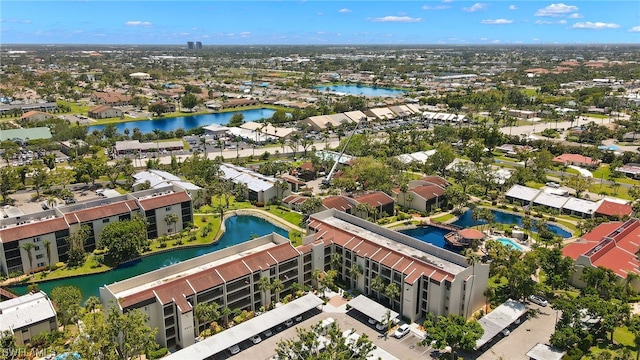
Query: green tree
pixel 579 183
pixel 8 182
pixel 124 240
pixel 189 101
pixel 67 300
pixel 264 285
pixel 92 305
pixel 439 161
pixel 205 313
pixel 158 109
pixel 277 286
pixel 171 220
pixel 355 271
pixel 237 119
pixel 39 176
pixel 633 324
pixel 453 331
pixel 392 292
pixel 377 285
pixel 47 247
pixel 309 345
pixel 28 247
pixel 76 242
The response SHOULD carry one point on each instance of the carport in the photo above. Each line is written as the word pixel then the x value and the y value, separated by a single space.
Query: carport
pixel 499 319
pixel 210 346
pixel 372 309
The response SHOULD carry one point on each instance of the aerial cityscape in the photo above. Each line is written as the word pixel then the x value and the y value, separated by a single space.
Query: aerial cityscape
pixel 319 180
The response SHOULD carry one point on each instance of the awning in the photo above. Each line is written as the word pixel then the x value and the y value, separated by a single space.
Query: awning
pixel 372 309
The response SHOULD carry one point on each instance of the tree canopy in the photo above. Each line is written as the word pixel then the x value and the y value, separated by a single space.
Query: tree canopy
pixel 124 240
pixel 453 331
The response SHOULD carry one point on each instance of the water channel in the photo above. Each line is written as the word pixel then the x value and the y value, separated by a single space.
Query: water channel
pixel 361 90
pixel 238 230
pixel 188 122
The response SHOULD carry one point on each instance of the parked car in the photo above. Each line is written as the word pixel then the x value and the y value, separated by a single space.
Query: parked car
pixel 256 339
pixel 553 184
pixel 506 332
pixel 288 322
pixel 538 300
pixel 267 333
pixel 381 326
pixel 402 331
pixel 372 321
pixel 298 318
pixel 234 349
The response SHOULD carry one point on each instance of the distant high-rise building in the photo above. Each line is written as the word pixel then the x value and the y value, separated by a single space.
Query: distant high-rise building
pixel 189 44
pixel 198 45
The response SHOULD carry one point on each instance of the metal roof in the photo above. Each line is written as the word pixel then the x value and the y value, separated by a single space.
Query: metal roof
pixel 241 332
pixel 499 319
pixel 371 308
pixel 25 311
pixel 522 192
pixel 545 352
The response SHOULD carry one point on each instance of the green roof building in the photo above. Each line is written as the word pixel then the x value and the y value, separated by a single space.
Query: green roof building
pixel 23 135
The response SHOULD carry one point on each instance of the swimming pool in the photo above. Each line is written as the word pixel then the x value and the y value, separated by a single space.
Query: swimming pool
pixel 510 243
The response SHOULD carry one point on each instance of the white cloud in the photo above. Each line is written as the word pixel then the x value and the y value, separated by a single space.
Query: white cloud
pixel 547 22
pixel 635 29
pixel 513 7
pixel 138 23
pixel 344 11
pixel 405 19
pixel 437 7
pixel 15 21
pixel 447 1
pixel 555 10
pixel 595 25
pixel 475 7
pixel 496 21
pixel 496 41
pixel 245 34
pixel 320 13
pixel 575 16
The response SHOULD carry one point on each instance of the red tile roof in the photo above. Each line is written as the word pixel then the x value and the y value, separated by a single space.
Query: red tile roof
pixel 34 229
pixel 374 199
pixel 101 212
pixel 337 202
pixel 437 180
pixel 576 159
pixel 160 201
pixel 610 208
pixel 429 192
pixel 471 234
pixel 612 245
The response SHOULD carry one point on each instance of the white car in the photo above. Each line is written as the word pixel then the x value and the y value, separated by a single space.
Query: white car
pixel 256 339
pixel 506 332
pixel 371 321
pixel 298 318
pixel 380 326
pixel 288 322
pixel 402 331
pixel 234 349
pixel 538 300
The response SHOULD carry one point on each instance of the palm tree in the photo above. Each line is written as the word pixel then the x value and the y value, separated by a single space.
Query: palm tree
pixel 377 285
pixel 47 246
pixel 489 293
pixel 335 261
pixel 354 272
pixel 527 224
pixel 392 291
pixel 316 274
pixel 277 286
pixel 171 219
pixel 472 259
pixel 28 247
pixel 205 313
pixel 264 285
pixel 225 312
pixel 92 304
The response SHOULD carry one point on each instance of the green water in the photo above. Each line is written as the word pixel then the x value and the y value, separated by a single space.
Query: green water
pixel 238 230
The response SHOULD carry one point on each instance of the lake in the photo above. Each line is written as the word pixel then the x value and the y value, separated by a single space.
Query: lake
pixel 238 230
pixel 188 122
pixel 466 221
pixel 361 90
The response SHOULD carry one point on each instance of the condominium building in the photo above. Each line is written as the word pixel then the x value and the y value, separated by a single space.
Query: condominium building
pixel 48 230
pixel 27 316
pixel 429 279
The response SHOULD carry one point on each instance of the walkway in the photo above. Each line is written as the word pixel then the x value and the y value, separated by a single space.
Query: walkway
pixel 583 172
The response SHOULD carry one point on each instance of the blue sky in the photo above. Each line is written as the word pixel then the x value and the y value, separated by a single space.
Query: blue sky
pixel 319 22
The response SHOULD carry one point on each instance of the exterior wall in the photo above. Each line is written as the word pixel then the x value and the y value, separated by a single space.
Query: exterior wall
pixel 39 252
pixel 161 224
pixel 24 335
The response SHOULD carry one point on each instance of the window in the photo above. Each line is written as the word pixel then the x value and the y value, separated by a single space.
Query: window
pixel 37 239
pixel 104 221
pixel 36 248
pixel 168 208
pixel 40 264
pixel 39 256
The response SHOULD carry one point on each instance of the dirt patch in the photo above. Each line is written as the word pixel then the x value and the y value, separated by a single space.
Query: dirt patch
pixel 337 301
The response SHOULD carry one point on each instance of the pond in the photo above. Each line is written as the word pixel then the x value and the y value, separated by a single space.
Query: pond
pixel 466 221
pixel 430 234
pixel 188 122
pixel 361 90
pixel 238 230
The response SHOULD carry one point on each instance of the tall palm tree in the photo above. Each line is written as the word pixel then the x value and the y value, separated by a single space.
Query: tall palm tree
pixel 392 291
pixel 47 246
pixel 28 247
pixel 316 274
pixel 92 304
pixel 171 219
pixel 277 286
pixel 472 259
pixel 377 285
pixel 335 261
pixel 354 272
pixel 264 285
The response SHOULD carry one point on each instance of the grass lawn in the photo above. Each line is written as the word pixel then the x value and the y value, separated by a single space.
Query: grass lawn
pixel 605 189
pixel 201 221
pixel 529 92
pixel 534 184
pixel 443 218
pixel 80 109
pixel 90 266
pixel 285 214
pixel 622 338
pixel 603 172
pixel 597 116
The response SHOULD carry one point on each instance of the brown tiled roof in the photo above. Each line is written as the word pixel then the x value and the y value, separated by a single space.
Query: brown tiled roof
pixel 374 199
pixel 337 202
pixel 173 290
pixel 610 208
pixel 34 229
pixel 437 180
pixel 233 270
pixel 429 191
pixel 159 201
pixel 101 212
pixel 99 109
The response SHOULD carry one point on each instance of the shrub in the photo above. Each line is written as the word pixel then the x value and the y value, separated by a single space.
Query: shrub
pixel 192 237
pixel 178 242
pixel 259 204
pixel 157 354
